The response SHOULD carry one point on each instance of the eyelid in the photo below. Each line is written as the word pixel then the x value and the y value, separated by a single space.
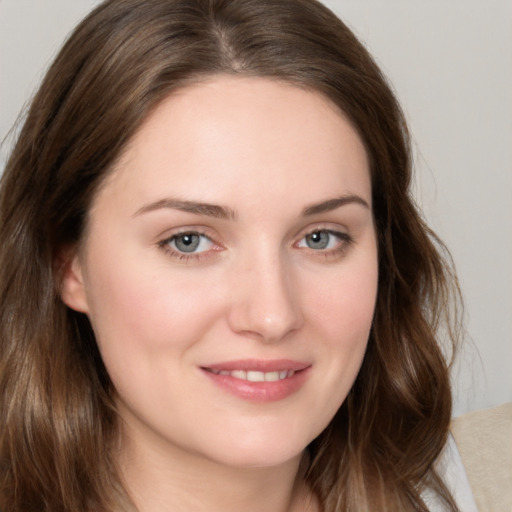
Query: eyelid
pixel 165 240
pixel 345 240
pixel 329 227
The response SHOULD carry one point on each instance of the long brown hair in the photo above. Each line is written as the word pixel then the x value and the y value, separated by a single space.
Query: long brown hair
pixel 58 421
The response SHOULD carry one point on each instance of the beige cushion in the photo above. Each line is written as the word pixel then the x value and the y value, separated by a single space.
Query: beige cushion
pixel 484 440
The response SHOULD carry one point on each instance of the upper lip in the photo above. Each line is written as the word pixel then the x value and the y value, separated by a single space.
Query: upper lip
pixel 260 365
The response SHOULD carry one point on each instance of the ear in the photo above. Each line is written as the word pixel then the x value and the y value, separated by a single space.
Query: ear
pixel 72 290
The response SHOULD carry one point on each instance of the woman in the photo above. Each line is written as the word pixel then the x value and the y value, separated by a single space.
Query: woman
pixel 216 289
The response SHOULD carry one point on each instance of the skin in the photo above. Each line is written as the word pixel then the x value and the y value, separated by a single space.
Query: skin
pixel 256 287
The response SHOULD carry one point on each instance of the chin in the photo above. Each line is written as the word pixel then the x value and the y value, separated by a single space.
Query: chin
pixel 259 460
pixel 257 452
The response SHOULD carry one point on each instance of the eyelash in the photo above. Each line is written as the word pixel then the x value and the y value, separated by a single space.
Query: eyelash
pixel 345 241
pixel 183 256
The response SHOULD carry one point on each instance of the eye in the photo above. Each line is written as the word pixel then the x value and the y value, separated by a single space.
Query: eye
pixel 323 239
pixel 318 240
pixel 188 243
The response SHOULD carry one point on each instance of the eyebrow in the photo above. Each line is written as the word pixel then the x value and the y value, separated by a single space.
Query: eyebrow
pixel 225 213
pixel 210 210
pixel 333 204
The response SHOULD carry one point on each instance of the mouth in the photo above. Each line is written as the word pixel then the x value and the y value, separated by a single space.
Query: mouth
pixel 254 375
pixel 258 380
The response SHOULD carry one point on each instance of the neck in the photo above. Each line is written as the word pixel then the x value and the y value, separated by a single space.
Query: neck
pixel 171 479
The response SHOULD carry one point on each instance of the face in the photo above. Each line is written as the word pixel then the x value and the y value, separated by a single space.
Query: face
pixel 229 271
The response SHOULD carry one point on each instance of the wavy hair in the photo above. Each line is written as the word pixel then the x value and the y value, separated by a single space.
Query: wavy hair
pixel 58 424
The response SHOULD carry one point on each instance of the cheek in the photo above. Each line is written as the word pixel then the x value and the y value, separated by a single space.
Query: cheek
pixel 339 318
pixel 345 305
pixel 342 313
pixel 135 309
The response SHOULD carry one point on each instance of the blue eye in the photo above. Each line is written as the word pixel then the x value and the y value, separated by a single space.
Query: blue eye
pixel 323 239
pixel 190 243
pixel 318 240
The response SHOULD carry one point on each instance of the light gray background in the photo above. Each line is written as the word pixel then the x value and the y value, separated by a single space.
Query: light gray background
pixel 450 62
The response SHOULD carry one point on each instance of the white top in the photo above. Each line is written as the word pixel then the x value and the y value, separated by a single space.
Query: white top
pixel 451 469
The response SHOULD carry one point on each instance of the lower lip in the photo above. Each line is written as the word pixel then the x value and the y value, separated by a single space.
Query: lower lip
pixel 260 391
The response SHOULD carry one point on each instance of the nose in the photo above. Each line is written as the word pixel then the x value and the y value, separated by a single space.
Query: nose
pixel 264 302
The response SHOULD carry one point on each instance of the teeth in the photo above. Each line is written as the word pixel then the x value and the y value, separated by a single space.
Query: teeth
pixel 256 376
pixel 271 376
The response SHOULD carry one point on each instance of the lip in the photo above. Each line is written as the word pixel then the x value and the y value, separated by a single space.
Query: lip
pixel 259 365
pixel 266 391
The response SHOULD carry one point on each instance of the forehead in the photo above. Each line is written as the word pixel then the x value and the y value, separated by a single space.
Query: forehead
pixel 229 136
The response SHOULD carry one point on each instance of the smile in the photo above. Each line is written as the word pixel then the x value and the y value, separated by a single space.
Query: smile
pixel 256 376
pixel 259 380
